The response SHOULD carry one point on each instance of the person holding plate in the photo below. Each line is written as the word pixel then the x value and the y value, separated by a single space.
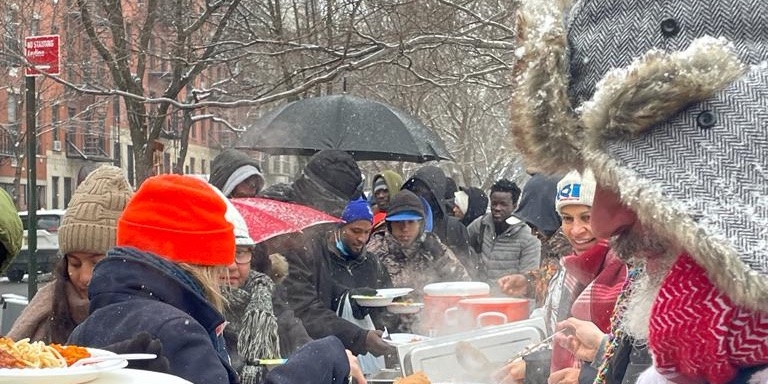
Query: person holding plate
pixel 335 267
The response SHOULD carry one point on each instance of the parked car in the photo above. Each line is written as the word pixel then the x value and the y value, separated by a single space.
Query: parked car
pixel 48 222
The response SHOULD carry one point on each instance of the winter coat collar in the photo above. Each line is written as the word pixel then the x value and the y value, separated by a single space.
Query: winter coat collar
pixel 127 274
pixel 513 229
pixel 337 257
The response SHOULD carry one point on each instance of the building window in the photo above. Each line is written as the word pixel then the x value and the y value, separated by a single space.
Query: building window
pixel 55 192
pixel 67 190
pixel 202 166
pixel 116 112
pixel 13 99
pixel 192 165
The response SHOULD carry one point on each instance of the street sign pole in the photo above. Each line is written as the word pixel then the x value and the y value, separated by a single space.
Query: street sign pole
pixel 31 185
pixel 43 53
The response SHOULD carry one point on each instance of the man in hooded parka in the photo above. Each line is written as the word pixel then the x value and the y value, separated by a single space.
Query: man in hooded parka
pixel 430 183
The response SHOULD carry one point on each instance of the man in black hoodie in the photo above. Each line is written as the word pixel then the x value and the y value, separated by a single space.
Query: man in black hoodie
pixel 430 183
pixel 330 179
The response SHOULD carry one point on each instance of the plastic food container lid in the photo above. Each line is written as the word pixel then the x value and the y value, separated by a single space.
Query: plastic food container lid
pixel 457 288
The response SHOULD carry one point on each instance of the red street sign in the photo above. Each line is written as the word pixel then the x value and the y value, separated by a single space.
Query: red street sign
pixel 43 53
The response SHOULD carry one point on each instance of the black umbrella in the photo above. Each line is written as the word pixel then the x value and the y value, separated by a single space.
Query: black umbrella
pixel 368 129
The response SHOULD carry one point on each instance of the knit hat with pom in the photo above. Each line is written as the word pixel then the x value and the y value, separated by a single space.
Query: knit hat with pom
pixel 178 218
pixel 90 223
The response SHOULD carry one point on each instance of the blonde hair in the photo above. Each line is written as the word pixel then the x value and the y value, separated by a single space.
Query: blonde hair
pixel 208 277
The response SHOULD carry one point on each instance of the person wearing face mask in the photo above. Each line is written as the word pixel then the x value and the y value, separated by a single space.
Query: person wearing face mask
pixel 333 266
pixel 412 257
pixel 87 231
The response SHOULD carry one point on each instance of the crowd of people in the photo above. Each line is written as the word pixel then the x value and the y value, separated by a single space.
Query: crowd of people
pixel 639 235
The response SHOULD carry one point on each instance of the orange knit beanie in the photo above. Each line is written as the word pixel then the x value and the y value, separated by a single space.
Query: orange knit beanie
pixel 179 218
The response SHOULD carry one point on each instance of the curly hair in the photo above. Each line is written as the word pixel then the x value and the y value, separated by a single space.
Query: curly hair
pixel 504 185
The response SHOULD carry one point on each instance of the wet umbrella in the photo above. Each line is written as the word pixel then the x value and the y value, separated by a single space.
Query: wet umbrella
pixel 267 218
pixel 368 129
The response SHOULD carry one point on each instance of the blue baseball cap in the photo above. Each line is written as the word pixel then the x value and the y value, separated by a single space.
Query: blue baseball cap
pixel 405 216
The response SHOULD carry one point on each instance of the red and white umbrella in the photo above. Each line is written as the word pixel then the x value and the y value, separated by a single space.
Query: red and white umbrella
pixel 267 218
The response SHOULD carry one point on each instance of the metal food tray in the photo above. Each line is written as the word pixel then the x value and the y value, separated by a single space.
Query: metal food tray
pixel 436 357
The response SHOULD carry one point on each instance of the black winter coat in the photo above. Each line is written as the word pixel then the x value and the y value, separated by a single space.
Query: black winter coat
pixel 132 292
pixel 318 278
pixel 448 228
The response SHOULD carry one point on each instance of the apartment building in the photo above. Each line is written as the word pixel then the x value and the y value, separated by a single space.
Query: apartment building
pixel 77 131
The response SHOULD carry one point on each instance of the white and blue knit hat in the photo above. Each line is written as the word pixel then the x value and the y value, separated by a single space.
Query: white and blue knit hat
pixel 576 188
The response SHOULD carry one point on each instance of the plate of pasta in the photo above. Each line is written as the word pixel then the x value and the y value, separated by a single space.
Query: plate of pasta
pixel 26 362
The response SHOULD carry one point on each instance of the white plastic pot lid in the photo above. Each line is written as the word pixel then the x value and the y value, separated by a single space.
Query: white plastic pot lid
pixel 457 288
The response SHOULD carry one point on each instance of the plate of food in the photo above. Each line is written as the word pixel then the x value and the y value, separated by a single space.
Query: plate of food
pixel 393 292
pixel 404 338
pixel 383 297
pixel 25 362
pixel 404 307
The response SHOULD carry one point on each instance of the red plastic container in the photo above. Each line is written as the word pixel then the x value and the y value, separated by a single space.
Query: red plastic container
pixel 438 297
pixel 481 312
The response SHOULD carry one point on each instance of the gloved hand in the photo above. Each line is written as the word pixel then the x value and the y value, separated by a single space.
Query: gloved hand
pixel 359 312
pixel 376 345
pixel 143 342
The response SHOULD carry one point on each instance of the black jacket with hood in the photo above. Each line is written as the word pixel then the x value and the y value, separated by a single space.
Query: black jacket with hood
pixel 478 205
pixel 319 276
pixel 448 228
pixel 226 163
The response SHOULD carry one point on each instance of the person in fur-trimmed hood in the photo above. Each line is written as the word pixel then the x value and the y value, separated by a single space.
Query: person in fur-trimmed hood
pixel 677 142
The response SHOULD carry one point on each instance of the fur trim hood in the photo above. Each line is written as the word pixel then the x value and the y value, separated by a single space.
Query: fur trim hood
pixel 680 136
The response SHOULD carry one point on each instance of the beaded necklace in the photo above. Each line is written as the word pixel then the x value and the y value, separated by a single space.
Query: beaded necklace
pixel 617 334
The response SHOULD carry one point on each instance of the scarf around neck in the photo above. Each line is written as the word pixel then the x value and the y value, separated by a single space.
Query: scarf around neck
pixel 696 332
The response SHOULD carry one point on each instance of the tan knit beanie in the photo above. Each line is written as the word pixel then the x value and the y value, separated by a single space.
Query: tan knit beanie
pixel 90 223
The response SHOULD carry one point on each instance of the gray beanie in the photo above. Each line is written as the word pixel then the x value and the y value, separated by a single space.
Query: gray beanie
pixel 90 223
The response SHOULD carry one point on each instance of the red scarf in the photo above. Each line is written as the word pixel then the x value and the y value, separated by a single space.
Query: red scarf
pixel 697 334
pixel 594 278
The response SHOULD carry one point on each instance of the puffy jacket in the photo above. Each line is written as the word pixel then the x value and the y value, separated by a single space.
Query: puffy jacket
pixel 515 250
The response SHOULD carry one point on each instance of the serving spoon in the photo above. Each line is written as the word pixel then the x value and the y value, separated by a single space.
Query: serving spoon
pixel 475 361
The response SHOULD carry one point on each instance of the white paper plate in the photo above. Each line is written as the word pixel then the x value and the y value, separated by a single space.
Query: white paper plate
pixel 405 338
pixel 137 376
pixel 383 297
pixel 405 308
pixel 393 292
pixel 76 375
pixel 372 301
